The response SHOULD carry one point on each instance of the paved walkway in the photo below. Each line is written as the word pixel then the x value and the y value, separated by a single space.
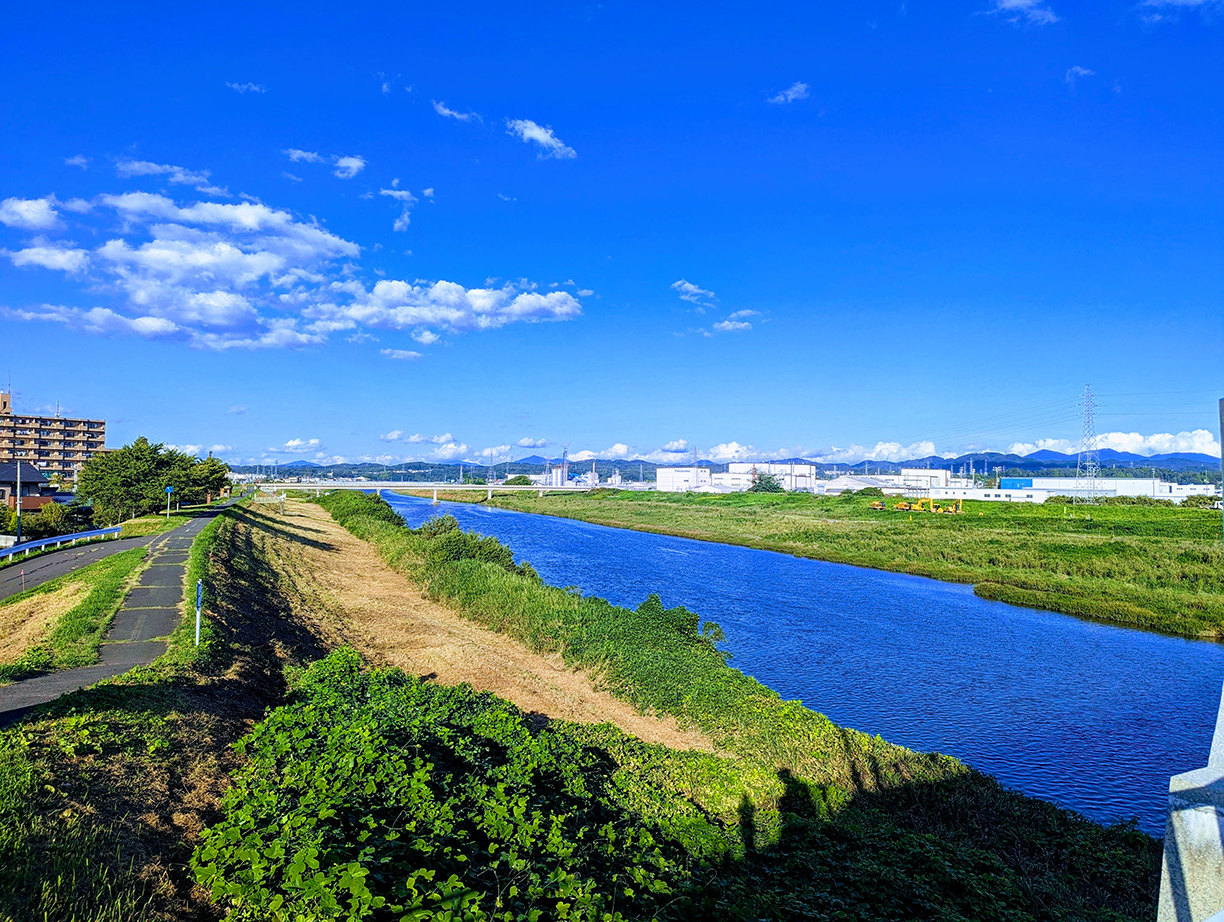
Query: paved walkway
pixel 144 622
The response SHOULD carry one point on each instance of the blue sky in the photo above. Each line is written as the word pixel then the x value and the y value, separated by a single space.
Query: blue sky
pixel 858 230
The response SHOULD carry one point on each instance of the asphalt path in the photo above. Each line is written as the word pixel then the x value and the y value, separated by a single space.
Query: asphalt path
pixel 149 613
pixel 47 566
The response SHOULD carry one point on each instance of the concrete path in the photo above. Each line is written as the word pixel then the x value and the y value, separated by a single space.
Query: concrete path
pixel 56 563
pixel 149 613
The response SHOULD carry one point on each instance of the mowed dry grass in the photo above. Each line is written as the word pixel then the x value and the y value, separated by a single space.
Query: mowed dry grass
pixel 25 621
pixel 342 587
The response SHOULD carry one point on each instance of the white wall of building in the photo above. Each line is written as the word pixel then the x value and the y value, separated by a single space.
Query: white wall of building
pixel 681 479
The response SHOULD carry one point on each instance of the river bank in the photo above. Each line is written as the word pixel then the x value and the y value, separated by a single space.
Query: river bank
pixel 1156 568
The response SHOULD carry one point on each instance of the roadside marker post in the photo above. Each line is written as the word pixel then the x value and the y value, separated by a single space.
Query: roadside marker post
pixel 199 599
pixel 169 490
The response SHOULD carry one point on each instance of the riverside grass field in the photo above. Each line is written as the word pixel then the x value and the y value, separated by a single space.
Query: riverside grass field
pixel 1153 567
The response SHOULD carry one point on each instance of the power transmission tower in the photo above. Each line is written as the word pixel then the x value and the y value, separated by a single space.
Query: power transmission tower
pixel 1088 464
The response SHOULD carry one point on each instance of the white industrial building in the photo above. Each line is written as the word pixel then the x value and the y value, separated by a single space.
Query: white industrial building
pixel 1039 489
pixel 682 479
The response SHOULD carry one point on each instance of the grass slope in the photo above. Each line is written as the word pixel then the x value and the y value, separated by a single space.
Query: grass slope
pixel 1152 567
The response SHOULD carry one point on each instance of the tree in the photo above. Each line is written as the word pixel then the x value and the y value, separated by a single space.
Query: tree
pixel 1200 501
pixel 132 480
pixel 519 480
pixel 764 483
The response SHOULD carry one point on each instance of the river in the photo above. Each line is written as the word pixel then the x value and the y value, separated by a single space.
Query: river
pixel 1091 717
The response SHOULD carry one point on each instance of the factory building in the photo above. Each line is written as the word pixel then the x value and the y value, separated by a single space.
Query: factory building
pixel 682 479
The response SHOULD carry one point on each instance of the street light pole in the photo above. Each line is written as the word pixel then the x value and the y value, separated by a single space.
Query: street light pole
pixel 19 497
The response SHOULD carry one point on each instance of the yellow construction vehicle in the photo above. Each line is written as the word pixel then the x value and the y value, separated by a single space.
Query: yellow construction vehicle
pixel 877 504
pixel 903 505
pixel 923 505
pixel 953 509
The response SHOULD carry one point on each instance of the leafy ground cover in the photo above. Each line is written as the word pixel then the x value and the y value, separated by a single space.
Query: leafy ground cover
pixel 73 639
pixel 798 818
pixel 1154 567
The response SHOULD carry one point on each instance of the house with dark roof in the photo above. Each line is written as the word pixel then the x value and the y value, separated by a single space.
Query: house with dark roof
pixel 36 492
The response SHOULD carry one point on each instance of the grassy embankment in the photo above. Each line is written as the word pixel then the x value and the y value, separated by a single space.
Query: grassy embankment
pixel 101 792
pixel 1152 567
pixel 365 781
pixel 60 624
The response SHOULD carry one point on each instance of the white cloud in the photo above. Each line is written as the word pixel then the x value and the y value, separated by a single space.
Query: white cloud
pixel 732 326
pixel 1074 73
pixel 883 451
pixel 236 411
pixel 442 439
pixel 676 446
pixel 740 315
pixel 550 145
pixel 79 160
pixel 76 205
pixel 298 446
pixel 730 451
pixel 692 293
pixel 289 176
pixel 401 354
pixel 1201 441
pixel 174 174
pixel 406 199
pixel 585 292
pixel 302 156
pixel 246 87
pixel 451 451
pixel 186 449
pixel 220 448
pixel 1031 11
pixel 393 436
pixel 428 193
pixel 531 443
pixel 496 451
pixel 29 213
pixel 442 109
pixel 792 93
pixel 49 256
pixel 249 276
pixel 348 167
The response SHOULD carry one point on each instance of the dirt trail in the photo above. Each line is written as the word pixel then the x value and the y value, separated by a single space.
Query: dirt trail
pixel 23 623
pixel 343 587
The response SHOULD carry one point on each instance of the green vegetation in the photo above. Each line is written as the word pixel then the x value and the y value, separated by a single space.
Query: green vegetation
pixel 1143 566
pixel 132 480
pixel 519 480
pixel 799 818
pixel 100 790
pixel 74 639
pixel 763 482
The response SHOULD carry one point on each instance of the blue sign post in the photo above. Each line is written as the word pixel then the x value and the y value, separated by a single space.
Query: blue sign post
pixel 199 600
pixel 169 490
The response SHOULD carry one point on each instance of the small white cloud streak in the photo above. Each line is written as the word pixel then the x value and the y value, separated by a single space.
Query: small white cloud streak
pixel 400 354
pixel 246 87
pixel 692 293
pixel 792 93
pixel 1031 11
pixel 531 133
pixel 80 160
pixel 1074 73
pixel 531 443
pixel 302 156
pixel 442 109
pixel 348 167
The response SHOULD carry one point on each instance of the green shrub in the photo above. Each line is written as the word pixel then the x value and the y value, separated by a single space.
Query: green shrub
pixel 377 795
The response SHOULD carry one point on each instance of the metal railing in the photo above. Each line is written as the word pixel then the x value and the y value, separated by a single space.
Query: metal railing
pixel 25 548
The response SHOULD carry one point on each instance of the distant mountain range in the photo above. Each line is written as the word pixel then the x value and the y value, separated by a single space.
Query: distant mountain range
pixel 1190 464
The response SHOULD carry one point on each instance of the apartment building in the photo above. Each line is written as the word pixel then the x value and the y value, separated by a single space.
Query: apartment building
pixel 53 444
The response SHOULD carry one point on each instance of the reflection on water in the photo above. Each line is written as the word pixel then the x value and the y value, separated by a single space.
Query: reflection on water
pixel 1092 717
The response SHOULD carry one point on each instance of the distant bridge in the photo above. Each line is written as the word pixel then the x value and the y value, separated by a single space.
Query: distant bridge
pixel 416 486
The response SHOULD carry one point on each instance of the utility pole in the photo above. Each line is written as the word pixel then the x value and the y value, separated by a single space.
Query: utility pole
pixel 1222 458
pixel 18 497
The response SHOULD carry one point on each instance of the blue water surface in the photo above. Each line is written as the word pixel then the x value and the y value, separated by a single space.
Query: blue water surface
pixel 1092 717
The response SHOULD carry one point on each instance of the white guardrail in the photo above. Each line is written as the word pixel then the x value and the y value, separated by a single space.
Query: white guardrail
pixel 25 548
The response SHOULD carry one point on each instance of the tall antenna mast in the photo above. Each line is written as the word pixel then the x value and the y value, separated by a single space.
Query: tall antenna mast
pixel 1088 464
